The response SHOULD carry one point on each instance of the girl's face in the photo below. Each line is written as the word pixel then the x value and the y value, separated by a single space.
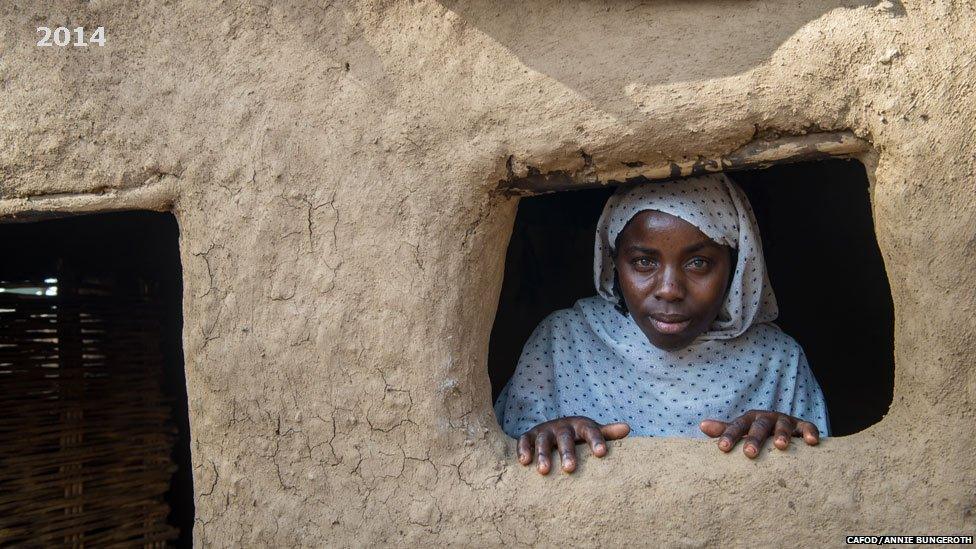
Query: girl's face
pixel 673 278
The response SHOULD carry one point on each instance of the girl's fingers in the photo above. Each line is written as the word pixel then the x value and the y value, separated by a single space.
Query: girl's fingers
pixel 761 427
pixel 566 441
pixel 733 432
pixel 783 432
pixel 591 434
pixel 525 444
pixel 809 432
pixel 712 427
pixel 543 447
pixel 614 431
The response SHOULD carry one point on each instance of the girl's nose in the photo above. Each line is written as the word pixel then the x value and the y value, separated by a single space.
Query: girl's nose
pixel 671 287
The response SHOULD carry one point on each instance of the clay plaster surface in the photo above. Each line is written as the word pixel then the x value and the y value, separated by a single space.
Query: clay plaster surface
pixel 333 167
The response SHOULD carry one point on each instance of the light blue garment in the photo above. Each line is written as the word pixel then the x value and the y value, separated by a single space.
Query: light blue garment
pixel 593 361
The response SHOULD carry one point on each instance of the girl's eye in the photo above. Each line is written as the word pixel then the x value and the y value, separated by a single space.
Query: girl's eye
pixel 698 263
pixel 644 263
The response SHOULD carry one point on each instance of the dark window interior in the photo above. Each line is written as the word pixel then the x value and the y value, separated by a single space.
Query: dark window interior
pixel 823 261
pixel 95 430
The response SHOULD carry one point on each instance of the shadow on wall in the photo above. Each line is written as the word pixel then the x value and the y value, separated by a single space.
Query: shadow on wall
pixel 599 49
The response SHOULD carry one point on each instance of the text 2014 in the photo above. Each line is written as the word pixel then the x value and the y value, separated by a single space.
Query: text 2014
pixel 61 36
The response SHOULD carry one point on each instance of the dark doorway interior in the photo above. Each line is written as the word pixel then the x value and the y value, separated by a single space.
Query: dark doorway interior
pixel 822 256
pixel 95 434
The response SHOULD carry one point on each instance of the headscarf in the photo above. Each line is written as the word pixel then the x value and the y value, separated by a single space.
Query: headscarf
pixel 719 208
pixel 592 361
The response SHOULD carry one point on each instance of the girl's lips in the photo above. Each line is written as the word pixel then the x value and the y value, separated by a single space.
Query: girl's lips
pixel 669 327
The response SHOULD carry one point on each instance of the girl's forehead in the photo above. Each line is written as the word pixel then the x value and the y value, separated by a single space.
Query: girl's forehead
pixel 655 225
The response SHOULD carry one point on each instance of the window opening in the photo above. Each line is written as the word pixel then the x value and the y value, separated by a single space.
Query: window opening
pixel 95 433
pixel 821 254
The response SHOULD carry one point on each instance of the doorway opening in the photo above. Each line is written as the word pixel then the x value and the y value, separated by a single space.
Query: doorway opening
pixel 821 253
pixel 95 432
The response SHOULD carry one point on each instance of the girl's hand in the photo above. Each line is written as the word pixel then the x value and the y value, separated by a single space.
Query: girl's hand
pixel 755 426
pixel 564 433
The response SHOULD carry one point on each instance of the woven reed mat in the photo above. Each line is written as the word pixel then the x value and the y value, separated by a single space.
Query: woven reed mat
pixel 85 430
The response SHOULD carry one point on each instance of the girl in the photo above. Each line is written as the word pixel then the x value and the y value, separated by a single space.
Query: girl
pixel 681 331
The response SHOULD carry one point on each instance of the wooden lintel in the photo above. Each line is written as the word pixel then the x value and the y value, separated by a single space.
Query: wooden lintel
pixel 158 196
pixel 754 155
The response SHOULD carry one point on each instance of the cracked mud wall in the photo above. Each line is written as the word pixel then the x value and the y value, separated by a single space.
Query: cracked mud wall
pixel 333 165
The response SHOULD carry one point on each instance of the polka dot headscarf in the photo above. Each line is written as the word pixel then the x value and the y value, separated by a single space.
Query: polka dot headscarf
pixel 720 210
